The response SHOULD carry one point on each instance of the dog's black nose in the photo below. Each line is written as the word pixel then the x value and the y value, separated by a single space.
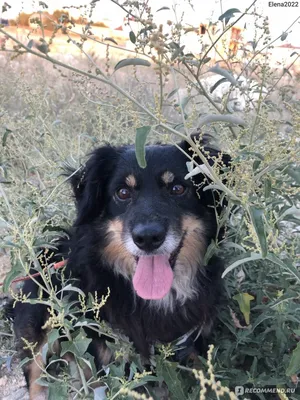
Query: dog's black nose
pixel 148 236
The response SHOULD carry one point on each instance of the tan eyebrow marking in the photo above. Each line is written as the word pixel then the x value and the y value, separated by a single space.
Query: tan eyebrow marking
pixel 167 177
pixel 130 181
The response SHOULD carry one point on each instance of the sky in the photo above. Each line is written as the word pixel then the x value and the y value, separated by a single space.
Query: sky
pixel 280 18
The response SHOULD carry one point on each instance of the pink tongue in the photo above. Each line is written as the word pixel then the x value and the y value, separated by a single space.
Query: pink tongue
pixel 153 277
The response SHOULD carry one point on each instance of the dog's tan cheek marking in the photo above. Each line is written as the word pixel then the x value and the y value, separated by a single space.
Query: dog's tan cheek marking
pixel 189 259
pixel 115 251
pixel 194 245
pixel 167 177
pixel 130 181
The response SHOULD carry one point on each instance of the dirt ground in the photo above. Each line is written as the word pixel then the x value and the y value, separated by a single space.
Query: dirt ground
pixel 12 382
pixel 4 266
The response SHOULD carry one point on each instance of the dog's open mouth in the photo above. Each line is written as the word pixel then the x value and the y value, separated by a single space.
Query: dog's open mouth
pixel 153 276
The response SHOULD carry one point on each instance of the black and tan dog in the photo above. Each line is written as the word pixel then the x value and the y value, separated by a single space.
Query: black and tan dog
pixel 143 233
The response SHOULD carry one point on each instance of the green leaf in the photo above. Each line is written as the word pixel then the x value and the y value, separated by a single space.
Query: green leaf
pixel 293 173
pixel 168 371
pixel 205 60
pixel 136 359
pixel 58 391
pixel 177 50
pixel 53 335
pixel 244 258
pixel 140 142
pixel 193 62
pixel 195 394
pixel 72 288
pixel 143 381
pixel 256 164
pixel 17 270
pixel 286 71
pixel 43 48
pixel 146 29
pixel 24 361
pixel 286 265
pixel 259 320
pixel 231 119
pixel 294 365
pixel 290 211
pixel 78 346
pixel 132 61
pixel 163 8
pixel 4 224
pixel 221 71
pixel 117 370
pixel 152 393
pixel 257 218
pixel 132 37
pixel 109 39
pixel 243 300
pixel 30 43
pixel 250 351
pixel 235 246
pixel 214 87
pixel 267 187
pixel 172 93
pixel 43 4
pixel 56 360
pixel 227 15
pixel 88 361
pixel 211 250
pixel 9 243
pixel 185 101
pixel 6 133
pixel 253 44
pixel 253 369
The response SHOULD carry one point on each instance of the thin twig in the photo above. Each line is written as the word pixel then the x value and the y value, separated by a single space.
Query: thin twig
pixel 265 47
pixel 221 34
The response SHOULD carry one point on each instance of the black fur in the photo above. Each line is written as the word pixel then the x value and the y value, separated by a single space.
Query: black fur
pixel 95 187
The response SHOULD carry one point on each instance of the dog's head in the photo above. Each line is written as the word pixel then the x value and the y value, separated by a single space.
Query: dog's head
pixel 156 225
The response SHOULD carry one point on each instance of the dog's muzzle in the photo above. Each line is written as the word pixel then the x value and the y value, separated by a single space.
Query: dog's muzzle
pixel 149 236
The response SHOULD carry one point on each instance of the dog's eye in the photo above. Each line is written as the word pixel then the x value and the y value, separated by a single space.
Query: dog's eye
pixel 123 194
pixel 177 190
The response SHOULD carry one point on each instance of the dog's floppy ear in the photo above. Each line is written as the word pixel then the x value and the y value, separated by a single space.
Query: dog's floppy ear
pixel 212 151
pixel 89 184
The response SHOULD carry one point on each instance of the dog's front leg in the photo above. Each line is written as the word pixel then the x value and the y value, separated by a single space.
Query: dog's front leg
pixel 32 372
